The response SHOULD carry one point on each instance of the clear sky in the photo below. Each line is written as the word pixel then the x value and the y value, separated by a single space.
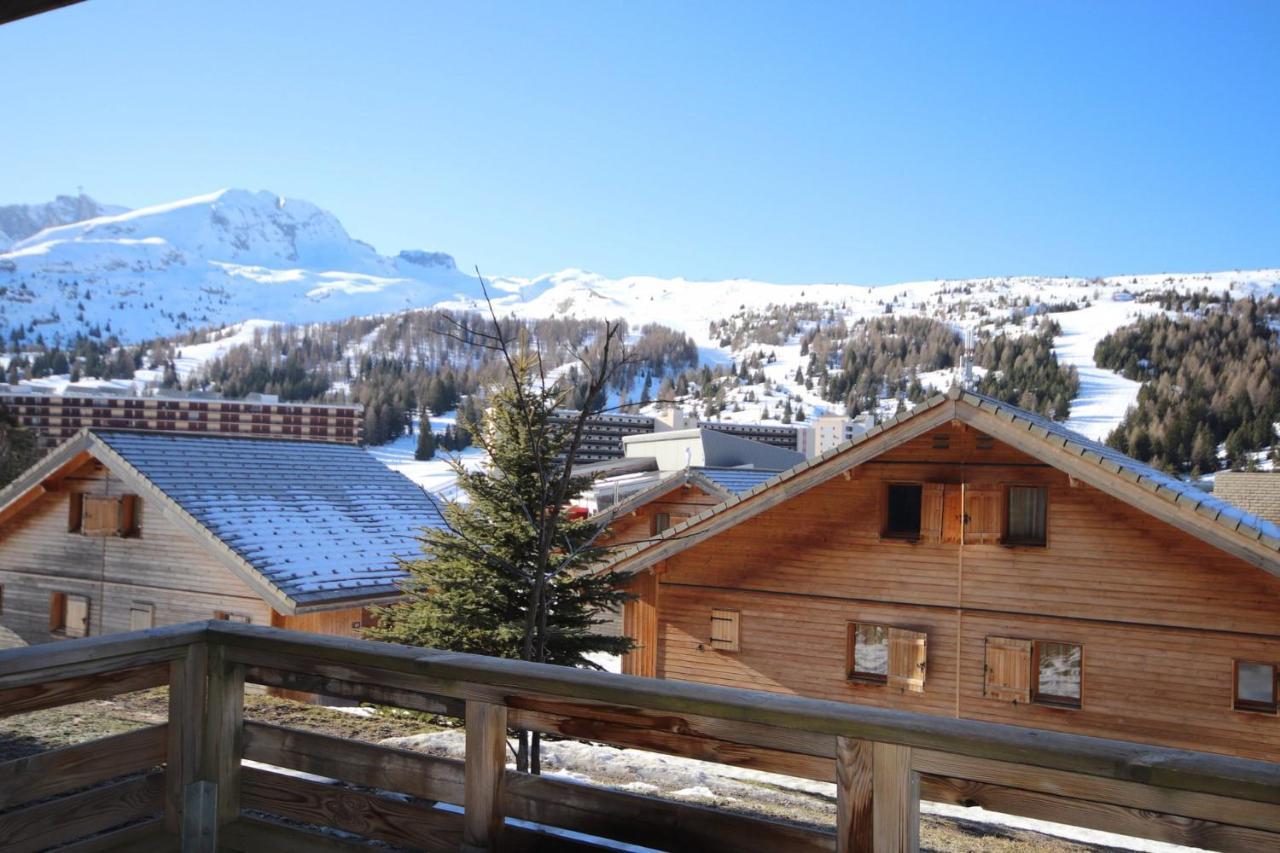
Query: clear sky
pixel 791 142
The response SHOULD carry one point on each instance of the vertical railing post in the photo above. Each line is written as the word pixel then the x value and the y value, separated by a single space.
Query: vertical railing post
pixel 223 732
pixel 853 795
pixel 895 794
pixel 486 765
pixel 188 680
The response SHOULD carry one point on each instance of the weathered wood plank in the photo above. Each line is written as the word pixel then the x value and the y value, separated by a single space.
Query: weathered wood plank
pixel 665 733
pixel 895 807
pixel 188 680
pixel 99 685
pixel 1124 820
pixel 64 819
pixel 60 770
pixel 418 774
pixel 147 836
pixel 71 658
pixel 1129 794
pixel 253 835
pixel 853 795
pixel 408 824
pixel 223 736
pixel 485 768
pixel 361 691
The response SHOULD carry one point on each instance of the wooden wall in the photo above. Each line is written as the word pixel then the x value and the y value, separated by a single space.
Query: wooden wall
pixel 1161 615
pixel 637 526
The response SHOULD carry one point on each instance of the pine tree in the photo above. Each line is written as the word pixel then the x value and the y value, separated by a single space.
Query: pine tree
pixel 515 574
pixel 426 448
pixel 18 450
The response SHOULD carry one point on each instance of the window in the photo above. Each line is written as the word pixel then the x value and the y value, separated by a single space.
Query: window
pixel 881 654
pixel 664 521
pixel 868 652
pixel 68 614
pixel 1255 687
pixel 724 630
pixel 141 616
pixel 226 616
pixel 1058 667
pixel 1047 672
pixel 1026 515
pixel 94 515
pixel 902 511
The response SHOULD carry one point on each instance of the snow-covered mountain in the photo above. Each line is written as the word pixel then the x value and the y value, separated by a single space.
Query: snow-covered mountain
pixel 18 221
pixel 209 260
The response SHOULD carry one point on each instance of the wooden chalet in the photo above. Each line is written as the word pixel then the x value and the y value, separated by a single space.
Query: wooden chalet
pixel 118 531
pixel 973 560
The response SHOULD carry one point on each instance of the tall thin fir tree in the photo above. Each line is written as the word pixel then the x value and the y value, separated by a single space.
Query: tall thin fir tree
pixel 515 574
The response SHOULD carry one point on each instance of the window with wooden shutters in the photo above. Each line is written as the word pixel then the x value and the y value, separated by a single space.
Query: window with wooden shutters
pixel 141 616
pixel 982 515
pixel 1255 687
pixel 1008 675
pixel 907 659
pixel 1058 669
pixel 724 630
pixel 661 521
pixel 1027 515
pixel 868 652
pixel 101 516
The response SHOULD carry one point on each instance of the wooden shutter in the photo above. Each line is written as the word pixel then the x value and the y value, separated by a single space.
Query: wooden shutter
pixel 724 630
pixel 907 659
pixel 982 515
pixel 101 516
pixel 77 616
pixel 1008 676
pixel 931 500
pixel 128 516
pixel 953 513
pixel 142 617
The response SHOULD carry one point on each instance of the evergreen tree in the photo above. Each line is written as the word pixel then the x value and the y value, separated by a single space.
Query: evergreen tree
pixel 515 573
pixel 426 448
pixel 18 450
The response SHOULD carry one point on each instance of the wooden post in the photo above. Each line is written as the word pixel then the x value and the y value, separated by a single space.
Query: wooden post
pixel 224 727
pixel 486 765
pixel 895 793
pixel 853 795
pixel 188 677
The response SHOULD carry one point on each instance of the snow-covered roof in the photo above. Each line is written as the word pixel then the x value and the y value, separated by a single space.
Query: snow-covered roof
pixel 736 480
pixel 317 521
pixel 1257 539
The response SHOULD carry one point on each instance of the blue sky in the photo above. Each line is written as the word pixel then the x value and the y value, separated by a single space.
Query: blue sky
pixel 786 142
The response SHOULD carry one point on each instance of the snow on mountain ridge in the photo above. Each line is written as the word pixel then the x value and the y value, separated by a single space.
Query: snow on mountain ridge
pixel 209 260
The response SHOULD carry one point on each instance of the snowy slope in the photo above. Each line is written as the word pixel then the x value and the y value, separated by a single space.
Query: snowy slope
pixel 971 304
pixel 213 259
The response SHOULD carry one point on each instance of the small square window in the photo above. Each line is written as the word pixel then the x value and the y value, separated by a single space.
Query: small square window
pixel 868 652
pixel 1026 515
pixel 226 616
pixel 724 630
pixel 1255 687
pixel 1058 669
pixel 902 511
pixel 661 521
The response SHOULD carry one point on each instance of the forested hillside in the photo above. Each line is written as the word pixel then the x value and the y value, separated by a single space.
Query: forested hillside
pixel 1211 377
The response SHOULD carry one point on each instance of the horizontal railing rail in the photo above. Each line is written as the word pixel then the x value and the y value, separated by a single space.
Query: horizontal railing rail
pixel 214 781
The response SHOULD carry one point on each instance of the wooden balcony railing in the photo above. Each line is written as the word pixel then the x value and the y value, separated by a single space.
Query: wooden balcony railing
pixel 183 784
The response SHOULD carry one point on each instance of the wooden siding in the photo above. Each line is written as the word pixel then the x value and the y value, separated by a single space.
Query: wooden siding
pixel 637 526
pixel 1159 613
pixel 347 622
